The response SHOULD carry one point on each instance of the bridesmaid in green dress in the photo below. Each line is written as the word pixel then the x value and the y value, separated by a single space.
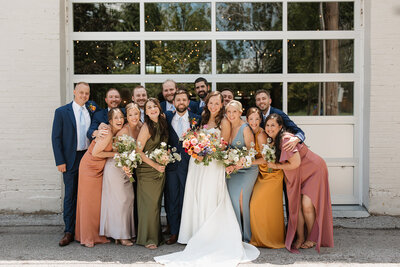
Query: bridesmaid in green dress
pixel 150 184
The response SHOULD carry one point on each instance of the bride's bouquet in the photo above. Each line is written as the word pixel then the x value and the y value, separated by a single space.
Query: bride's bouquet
pixel 201 145
pixel 163 155
pixel 236 158
pixel 268 153
pixel 126 158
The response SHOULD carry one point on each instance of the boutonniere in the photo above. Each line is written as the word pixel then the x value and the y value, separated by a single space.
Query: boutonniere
pixel 193 122
pixel 91 108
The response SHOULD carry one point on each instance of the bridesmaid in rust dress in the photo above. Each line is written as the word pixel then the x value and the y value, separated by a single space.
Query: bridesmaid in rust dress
pixel 90 183
pixel 310 211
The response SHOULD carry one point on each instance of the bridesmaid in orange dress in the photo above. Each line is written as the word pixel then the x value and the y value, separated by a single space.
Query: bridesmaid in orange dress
pixel 310 211
pixel 91 181
pixel 266 205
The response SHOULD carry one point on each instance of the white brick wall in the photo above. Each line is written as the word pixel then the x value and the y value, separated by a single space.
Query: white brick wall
pixel 385 107
pixel 30 92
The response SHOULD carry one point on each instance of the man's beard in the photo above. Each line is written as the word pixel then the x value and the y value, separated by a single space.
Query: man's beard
pixel 181 109
pixel 202 94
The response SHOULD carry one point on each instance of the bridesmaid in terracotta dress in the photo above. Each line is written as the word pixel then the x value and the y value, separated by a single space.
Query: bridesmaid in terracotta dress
pixel 266 205
pixel 117 211
pixel 91 181
pixel 310 211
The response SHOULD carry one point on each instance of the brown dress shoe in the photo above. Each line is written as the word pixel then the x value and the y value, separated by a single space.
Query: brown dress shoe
pixel 172 240
pixel 68 238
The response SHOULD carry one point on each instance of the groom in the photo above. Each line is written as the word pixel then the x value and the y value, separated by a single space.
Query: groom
pixel 70 143
pixel 178 123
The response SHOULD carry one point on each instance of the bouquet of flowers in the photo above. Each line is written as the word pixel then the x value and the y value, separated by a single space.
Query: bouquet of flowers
pixel 202 146
pixel 126 158
pixel 163 155
pixel 268 153
pixel 235 158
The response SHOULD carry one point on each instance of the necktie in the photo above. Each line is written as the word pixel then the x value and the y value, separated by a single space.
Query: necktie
pixel 202 104
pixel 180 127
pixel 82 130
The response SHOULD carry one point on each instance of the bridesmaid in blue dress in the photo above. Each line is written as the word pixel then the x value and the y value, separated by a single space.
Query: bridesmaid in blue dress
pixel 240 185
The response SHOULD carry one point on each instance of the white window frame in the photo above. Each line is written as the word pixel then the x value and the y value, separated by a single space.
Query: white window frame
pixel 357 120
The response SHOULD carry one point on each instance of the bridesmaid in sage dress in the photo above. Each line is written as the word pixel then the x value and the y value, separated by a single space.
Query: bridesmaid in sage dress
pixel 240 185
pixel 117 217
pixel 150 183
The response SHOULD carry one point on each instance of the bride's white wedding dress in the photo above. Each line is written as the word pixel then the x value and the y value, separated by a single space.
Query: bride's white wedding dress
pixel 208 225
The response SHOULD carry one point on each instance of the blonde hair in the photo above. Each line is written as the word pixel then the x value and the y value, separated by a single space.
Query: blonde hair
pixel 132 106
pixel 236 104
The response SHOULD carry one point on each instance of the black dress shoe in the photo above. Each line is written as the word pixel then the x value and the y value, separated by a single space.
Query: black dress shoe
pixel 172 240
pixel 68 238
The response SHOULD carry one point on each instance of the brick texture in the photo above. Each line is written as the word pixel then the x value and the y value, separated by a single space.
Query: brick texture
pixel 30 92
pixel 385 108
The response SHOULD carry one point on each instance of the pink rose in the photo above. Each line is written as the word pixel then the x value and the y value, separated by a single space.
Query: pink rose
pixel 186 144
pixel 197 149
pixel 194 141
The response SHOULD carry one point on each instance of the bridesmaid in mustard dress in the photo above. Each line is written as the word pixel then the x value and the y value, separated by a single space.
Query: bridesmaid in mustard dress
pixel 150 183
pixel 266 205
pixel 91 182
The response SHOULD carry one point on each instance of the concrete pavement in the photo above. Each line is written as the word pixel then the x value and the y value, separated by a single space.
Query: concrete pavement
pixel 33 239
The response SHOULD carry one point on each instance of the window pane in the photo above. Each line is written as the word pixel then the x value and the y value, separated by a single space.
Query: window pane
pixel 177 17
pixel 249 56
pixel 249 16
pixel 106 17
pixel 321 16
pixel 178 57
pixel 98 92
pixel 155 90
pixel 307 99
pixel 107 57
pixel 245 93
pixel 320 56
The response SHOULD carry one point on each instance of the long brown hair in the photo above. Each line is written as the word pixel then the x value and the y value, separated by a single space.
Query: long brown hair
pixel 161 120
pixel 278 137
pixel 205 117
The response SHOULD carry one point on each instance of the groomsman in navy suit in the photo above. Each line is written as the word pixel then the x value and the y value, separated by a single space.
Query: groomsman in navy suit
pixel 139 96
pixel 168 90
pixel 263 102
pixel 178 123
pixel 113 99
pixel 69 140
pixel 201 87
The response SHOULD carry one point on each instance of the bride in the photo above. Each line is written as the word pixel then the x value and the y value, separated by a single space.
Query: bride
pixel 208 225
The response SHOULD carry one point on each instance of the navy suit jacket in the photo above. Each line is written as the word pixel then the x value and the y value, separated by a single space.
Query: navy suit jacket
pixel 63 137
pixel 194 107
pixel 98 117
pixel 289 124
pixel 163 106
pixel 173 141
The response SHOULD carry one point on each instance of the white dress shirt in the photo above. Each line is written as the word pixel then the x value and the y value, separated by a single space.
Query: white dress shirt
pixel 202 103
pixel 266 114
pixel 185 121
pixel 86 116
pixel 170 107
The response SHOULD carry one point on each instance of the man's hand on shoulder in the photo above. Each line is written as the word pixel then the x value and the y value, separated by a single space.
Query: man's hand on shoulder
pixel 291 144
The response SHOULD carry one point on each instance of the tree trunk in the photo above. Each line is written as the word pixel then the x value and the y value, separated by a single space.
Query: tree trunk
pixel 332 58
